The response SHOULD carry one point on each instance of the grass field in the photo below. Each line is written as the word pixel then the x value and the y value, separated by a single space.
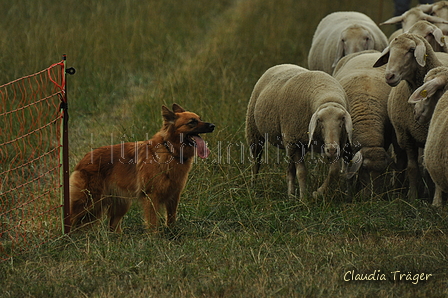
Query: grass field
pixel 231 240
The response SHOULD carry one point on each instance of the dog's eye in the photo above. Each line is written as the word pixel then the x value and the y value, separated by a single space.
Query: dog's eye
pixel 193 122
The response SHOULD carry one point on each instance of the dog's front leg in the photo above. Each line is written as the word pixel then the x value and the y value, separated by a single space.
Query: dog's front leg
pixel 171 209
pixel 151 211
pixel 119 207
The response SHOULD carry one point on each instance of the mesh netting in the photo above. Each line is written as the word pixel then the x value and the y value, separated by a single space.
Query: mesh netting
pixel 30 183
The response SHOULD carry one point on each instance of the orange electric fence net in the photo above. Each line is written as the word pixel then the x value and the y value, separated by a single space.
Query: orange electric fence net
pixel 30 160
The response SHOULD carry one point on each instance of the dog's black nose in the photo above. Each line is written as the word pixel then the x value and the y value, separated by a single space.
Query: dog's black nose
pixel 211 126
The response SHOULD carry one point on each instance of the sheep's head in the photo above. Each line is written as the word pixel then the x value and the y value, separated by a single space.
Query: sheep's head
pixel 334 125
pixel 404 55
pixel 426 96
pixel 438 9
pixel 411 17
pixel 369 163
pixel 431 33
pixel 353 39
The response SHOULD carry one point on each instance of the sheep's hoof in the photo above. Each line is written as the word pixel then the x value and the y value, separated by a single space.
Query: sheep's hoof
pixel 316 194
pixel 412 195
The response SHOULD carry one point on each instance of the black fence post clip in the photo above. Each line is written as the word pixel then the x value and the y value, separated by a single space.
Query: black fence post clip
pixel 70 71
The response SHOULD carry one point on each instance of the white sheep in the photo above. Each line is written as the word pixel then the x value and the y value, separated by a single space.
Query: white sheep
pixel 297 109
pixel 342 33
pixel 367 94
pixel 431 33
pixel 437 9
pixel 409 57
pixel 409 18
pixel 436 149
pixel 426 96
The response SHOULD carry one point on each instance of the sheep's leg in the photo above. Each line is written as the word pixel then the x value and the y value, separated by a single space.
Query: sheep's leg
pixel 413 173
pixel 296 168
pixel 400 166
pixel 437 202
pixel 291 177
pixel 333 172
pixel 301 176
pixel 256 149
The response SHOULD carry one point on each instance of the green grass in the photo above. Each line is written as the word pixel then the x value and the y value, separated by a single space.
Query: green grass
pixel 231 240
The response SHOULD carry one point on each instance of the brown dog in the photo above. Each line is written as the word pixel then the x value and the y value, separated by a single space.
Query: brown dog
pixel 154 171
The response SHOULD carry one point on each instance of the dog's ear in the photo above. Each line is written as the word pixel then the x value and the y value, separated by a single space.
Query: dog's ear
pixel 168 116
pixel 177 108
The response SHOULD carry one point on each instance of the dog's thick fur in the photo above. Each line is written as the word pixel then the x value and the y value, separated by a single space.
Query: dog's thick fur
pixel 154 171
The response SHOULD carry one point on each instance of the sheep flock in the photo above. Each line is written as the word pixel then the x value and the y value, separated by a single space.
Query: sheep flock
pixel 374 107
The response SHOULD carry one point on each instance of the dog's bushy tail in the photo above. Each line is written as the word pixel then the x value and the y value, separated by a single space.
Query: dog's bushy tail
pixel 85 207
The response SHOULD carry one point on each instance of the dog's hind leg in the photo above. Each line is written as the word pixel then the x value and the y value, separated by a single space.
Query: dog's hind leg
pixel 86 204
pixel 88 212
pixel 118 208
pixel 81 199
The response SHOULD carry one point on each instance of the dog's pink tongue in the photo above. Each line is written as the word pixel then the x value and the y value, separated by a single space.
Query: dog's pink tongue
pixel 201 147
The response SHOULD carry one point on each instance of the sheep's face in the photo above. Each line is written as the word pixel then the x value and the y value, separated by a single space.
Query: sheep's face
pixel 369 162
pixel 440 9
pixel 432 34
pixel 331 124
pixel 424 109
pixel 375 160
pixel 356 39
pixel 352 40
pixel 405 56
pixel 426 96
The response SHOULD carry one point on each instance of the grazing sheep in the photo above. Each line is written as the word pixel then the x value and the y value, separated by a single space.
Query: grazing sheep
pixel 409 18
pixel 426 96
pixel 342 33
pixel 409 57
pixel 431 33
pixel 367 94
pixel 436 150
pixel 292 108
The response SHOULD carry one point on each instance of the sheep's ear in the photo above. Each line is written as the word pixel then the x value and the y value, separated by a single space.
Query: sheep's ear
pixel 355 165
pixel 383 59
pixel 312 127
pixel 420 53
pixel 438 36
pixel 168 116
pixel 434 19
pixel 177 108
pixel 393 20
pixel 339 53
pixel 348 126
pixel 419 94
pixel 426 90
pixel 426 8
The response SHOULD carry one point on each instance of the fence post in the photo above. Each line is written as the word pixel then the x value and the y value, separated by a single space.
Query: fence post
pixel 65 151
